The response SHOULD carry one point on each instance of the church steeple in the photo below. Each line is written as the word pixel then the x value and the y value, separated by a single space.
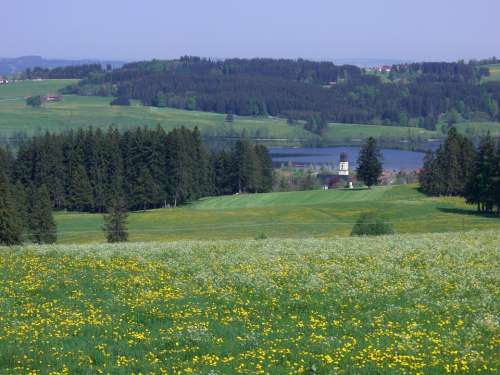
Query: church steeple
pixel 343 165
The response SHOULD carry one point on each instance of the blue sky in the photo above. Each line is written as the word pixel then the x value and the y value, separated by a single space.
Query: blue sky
pixel 318 29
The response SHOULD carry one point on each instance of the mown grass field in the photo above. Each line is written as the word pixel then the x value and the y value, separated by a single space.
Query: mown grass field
pixel 20 90
pixel 404 304
pixel 317 214
pixel 479 128
pixel 77 111
pixel 494 73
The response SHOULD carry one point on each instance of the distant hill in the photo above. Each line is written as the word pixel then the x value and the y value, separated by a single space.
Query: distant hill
pixel 15 65
pixel 368 62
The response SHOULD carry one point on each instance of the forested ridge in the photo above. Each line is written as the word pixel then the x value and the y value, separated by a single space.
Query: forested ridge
pixel 87 169
pixel 415 94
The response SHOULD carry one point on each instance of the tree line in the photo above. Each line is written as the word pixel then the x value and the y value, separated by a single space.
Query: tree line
pixel 305 90
pixel 64 72
pixel 458 168
pixel 24 210
pixel 85 170
pixel 442 71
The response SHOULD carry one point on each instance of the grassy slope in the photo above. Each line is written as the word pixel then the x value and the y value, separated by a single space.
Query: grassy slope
pixel 19 90
pixel 479 128
pixel 494 73
pixel 390 305
pixel 285 215
pixel 76 111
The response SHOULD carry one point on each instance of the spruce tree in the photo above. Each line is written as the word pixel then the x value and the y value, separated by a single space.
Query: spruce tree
pixel 265 168
pixel 41 224
pixel 22 203
pixel 496 179
pixel 10 223
pixel 481 187
pixel 427 176
pixel 447 171
pixel 113 180
pixel 80 197
pixel 115 222
pixel 245 167
pixel 369 163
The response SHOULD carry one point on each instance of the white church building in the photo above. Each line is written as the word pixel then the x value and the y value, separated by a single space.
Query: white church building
pixel 343 165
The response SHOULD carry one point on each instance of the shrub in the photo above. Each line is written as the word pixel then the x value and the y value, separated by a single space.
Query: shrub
pixel 121 100
pixel 34 101
pixel 261 236
pixel 371 224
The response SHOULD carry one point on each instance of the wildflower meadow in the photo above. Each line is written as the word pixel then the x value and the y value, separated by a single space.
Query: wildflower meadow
pixel 403 304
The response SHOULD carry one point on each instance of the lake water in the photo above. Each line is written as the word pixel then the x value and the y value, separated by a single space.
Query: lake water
pixel 393 159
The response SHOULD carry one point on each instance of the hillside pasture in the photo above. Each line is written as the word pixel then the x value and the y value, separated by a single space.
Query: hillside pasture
pixel 20 89
pixel 78 111
pixel 405 304
pixel 494 73
pixel 479 129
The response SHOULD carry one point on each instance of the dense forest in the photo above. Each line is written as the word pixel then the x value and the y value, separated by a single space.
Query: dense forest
pixel 63 72
pixel 85 170
pixel 457 168
pixel 414 95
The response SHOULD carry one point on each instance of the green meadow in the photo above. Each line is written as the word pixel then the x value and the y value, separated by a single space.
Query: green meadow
pixel 21 89
pixel 494 73
pixel 479 128
pixel 77 111
pixel 403 304
pixel 308 214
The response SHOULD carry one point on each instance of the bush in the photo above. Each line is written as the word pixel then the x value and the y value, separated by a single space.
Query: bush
pixel 261 236
pixel 34 101
pixel 370 224
pixel 121 100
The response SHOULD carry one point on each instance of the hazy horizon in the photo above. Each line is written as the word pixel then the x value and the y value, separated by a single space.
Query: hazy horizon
pixel 324 30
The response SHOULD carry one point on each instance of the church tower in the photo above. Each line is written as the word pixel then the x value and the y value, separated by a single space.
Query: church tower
pixel 344 165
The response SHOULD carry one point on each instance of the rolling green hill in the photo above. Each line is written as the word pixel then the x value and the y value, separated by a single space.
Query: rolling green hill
pixel 19 90
pixel 81 111
pixel 479 129
pixel 78 111
pixel 494 73
pixel 308 198
pixel 319 214
pixel 403 304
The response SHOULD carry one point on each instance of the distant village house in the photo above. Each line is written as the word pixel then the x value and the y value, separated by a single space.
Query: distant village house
pixel 53 98
pixel 384 69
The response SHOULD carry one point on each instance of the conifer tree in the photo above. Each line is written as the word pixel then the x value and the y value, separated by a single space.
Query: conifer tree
pixel 115 221
pixel 496 179
pixel 481 187
pixel 41 224
pixel 428 174
pixel 245 167
pixel 10 223
pixel 369 163
pixel 21 202
pixel 113 168
pixel 447 171
pixel 80 195
pixel 265 168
